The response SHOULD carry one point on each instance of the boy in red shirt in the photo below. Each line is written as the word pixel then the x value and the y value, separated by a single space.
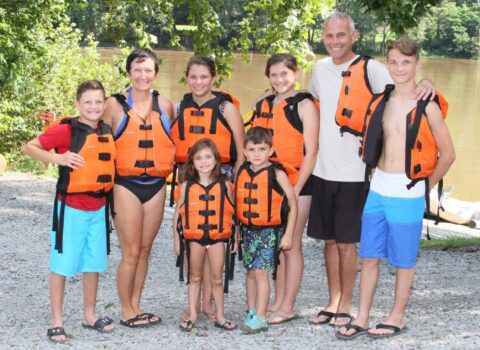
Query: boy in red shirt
pixel 85 153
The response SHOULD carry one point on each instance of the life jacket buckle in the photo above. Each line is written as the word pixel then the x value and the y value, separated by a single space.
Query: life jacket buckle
pixel 145 144
pixel 197 129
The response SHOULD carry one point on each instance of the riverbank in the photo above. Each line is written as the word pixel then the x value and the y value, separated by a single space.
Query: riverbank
pixel 444 311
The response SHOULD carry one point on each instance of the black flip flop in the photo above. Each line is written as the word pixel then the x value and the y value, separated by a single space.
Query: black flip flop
pixel 329 315
pixel 358 331
pixel 221 325
pixel 396 331
pixel 130 323
pixel 56 331
pixel 149 316
pixel 100 325
pixel 188 328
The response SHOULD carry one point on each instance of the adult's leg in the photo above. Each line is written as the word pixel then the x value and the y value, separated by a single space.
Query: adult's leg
pixel 333 279
pixel 368 284
pixel 57 292
pixel 348 262
pixel 129 226
pixel 293 262
pixel 152 219
pixel 403 287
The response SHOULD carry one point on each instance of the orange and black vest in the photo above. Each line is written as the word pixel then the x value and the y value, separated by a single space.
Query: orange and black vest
pixel 144 147
pixel 421 151
pixel 196 122
pixel 355 97
pixel 94 178
pixel 283 119
pixel 207 212
pixel 259 199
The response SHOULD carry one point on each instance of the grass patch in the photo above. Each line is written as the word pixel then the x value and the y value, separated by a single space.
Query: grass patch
pixel 453 244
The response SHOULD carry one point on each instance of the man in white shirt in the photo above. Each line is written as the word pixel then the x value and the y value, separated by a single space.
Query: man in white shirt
pixel 339 192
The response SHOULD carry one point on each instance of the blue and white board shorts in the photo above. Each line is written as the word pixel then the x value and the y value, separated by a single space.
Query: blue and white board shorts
pixel 392 220
pixel 84 243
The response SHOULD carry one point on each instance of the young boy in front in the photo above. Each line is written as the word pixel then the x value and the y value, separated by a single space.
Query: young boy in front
pixel 406 162
pixel 261 188
pixel 85 153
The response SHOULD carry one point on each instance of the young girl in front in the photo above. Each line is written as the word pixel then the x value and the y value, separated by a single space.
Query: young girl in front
pixel 206 210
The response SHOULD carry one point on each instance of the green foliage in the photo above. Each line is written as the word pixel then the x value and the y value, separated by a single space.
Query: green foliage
pixel 47 69
pixel 451 30
pixel 399 14
pixel 280 26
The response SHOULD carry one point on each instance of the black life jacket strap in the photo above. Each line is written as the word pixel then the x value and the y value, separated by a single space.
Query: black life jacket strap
pixel 173 183
pixel 231 271
pixel 271 179
pixel 187 99
pixel 181 256
pixel 223 194
pixel 122 100
pixel 276 256
pixel 59 232
pixel 427 202
pixel 240 249
pixel 440 206
pixel 187 202
pixel 227 268
pixel 187 249
pixel 109 208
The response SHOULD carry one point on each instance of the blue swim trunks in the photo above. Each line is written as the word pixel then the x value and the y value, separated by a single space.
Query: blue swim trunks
pixel 84 243
pixel 392 220
pixel 259 248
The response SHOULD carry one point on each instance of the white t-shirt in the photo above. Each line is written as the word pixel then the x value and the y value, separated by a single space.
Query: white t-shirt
pixel 338 158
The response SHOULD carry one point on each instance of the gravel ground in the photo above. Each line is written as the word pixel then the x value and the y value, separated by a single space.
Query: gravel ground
pixel 444 310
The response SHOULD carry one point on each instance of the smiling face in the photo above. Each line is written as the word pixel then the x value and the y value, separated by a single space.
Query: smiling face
pixel 91 106
pixel 200 80
pixel 142 74
pixel 338 39
pixel 204 161
pixel 401 67
pixel 282 78
pixel 258 154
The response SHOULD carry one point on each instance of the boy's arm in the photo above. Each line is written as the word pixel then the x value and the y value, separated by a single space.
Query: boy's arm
pixel 35 150
pixel 444 143
pixel 282 179
pixel 176 215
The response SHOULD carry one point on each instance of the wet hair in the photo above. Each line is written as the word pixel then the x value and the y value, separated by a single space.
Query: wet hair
pixel 201 61
pixel 288 60
pixel 258 135
pixel 141 55
pixel 89 85
pixel 342 16
pixel 406 46
pixel 190 172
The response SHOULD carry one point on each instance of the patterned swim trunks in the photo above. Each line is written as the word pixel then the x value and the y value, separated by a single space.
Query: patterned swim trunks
pixel 259 248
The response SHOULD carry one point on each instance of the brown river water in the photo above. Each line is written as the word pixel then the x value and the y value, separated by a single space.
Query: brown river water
pixel 458 80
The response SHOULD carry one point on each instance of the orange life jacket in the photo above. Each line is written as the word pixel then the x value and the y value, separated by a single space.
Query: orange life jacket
pixel 421 151
pixel 207 212
pixel 94 178
pixel 284 121
pixel 195 122
pixel 259 199
pixel 144 145
pixel 355 97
